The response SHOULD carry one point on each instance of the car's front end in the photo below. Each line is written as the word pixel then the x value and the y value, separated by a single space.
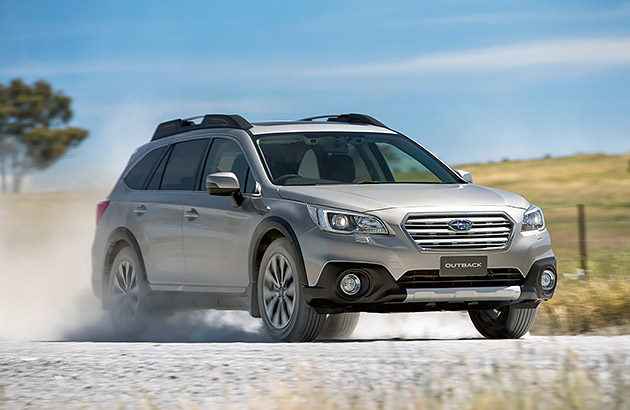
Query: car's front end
pixel 384 226
pixel 427 257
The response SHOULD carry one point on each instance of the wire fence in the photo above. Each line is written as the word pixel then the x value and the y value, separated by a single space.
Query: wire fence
pixel 591 238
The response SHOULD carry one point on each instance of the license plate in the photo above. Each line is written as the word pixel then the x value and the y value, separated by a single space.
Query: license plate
pixel 463 266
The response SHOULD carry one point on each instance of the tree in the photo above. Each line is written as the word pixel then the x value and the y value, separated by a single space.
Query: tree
pixel 33 129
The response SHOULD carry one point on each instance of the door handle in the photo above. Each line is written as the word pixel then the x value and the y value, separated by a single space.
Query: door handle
pixel 191 214
pixel 141 209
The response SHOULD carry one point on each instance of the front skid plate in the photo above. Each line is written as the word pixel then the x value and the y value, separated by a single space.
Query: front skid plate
pixel 463 294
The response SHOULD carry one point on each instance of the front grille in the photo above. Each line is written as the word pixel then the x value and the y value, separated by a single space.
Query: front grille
pixel 427 279
pixel 489 231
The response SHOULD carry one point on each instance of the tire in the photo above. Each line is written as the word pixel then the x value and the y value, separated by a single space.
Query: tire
pixel 503 323
pixel 127 293
pixel 285 314
pixel 340 326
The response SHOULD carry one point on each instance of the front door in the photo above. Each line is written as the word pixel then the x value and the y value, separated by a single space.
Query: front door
pixel 216 234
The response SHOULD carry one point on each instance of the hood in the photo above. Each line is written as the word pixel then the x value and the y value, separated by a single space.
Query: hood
pixel 363 198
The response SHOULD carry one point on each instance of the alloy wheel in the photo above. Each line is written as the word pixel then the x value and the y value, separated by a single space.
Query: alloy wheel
pixel 126 293
pixel 279 291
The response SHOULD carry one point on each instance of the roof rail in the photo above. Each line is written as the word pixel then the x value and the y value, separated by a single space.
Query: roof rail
pixel 168 128
pixel 351 118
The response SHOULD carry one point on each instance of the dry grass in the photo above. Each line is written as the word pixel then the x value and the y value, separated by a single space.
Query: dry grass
pixel 557 185
pixel 567 385
pixel 516 387
pixel 586 306
pixel 586 178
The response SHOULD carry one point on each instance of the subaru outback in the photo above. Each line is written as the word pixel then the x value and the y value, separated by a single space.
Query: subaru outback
pixel 307 223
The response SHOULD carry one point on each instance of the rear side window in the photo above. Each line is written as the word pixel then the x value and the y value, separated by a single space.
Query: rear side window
pixel 156 179
pixel 180 173
pixel 136 178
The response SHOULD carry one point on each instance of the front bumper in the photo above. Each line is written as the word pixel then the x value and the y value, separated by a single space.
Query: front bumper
pixel 398 254
pixel 382 293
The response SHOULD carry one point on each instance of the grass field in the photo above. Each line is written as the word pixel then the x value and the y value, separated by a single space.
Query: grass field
pixel 586 178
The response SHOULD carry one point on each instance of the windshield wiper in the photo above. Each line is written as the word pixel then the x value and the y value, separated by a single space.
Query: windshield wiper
pixel 370 182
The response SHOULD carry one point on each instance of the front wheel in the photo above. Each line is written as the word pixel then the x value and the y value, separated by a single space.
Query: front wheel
pixel 340 326
pixel 287 317
pixel 503 323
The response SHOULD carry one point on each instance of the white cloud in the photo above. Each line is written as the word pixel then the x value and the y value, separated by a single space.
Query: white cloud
pixel 600 52
pixel 575 52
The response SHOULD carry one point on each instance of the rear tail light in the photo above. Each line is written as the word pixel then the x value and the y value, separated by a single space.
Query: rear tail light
pixel 100 209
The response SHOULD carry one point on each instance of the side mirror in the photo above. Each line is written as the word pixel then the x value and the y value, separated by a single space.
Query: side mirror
pixel 225 184
pixel 467 176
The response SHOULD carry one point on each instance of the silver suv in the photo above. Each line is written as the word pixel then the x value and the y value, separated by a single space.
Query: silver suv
pixel 307 223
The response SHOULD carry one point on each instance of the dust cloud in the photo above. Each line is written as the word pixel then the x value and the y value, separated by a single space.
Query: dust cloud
pixel 45 289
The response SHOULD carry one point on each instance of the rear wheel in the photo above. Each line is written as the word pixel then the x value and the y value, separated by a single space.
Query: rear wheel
pixel 287 317
pixel 503 323
pixel 128 293
pixel 340 325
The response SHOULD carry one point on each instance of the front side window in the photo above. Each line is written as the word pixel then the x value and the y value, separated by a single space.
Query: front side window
pixel 349 158
pixel 181 170
pixel 226 156
pixel 138 175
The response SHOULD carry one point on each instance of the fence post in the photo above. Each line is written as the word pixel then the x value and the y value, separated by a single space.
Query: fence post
pixel 582 236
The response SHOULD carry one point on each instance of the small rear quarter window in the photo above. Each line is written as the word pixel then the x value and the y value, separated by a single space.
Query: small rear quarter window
pixel 138 175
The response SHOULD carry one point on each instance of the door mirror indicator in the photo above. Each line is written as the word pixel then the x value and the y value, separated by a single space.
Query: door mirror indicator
pixel 225 184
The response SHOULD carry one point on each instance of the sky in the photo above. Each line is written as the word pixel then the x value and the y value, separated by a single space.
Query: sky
pixel 472 81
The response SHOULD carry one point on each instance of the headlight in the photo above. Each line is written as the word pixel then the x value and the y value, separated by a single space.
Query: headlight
pixel 333 220
pixel 533 219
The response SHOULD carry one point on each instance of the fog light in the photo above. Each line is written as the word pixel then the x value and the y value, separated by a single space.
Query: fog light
pixel 548 279
pixel 350 284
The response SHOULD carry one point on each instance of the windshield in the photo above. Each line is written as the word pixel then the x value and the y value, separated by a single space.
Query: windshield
pixel 316 158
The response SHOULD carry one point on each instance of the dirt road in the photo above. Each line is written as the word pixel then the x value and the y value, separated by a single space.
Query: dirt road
pixel 255 375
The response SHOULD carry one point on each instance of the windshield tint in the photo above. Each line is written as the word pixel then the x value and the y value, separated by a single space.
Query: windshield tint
pixel 348 158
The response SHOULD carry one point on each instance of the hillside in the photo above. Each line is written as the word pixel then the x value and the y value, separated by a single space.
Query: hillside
pixel 558 185
pixel 585 178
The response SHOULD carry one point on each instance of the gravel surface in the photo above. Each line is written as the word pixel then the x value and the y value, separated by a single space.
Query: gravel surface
pixel 168 375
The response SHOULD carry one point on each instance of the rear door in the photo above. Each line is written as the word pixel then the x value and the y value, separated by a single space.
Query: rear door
pixel 216 241
pixel 157 212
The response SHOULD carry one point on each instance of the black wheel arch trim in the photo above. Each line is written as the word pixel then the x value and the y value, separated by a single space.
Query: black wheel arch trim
pixel 121 234
pixel 268 224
